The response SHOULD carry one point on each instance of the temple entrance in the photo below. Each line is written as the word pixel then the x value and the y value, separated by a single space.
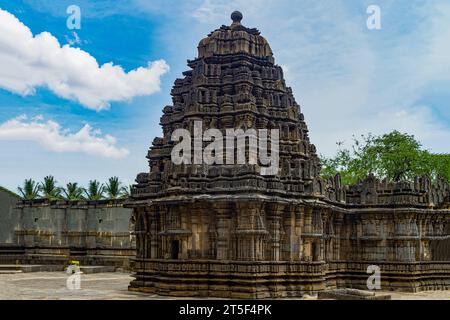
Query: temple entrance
pixel 175 248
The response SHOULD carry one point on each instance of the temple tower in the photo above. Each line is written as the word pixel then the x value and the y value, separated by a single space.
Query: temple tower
pixel 233 205
pixel 224 217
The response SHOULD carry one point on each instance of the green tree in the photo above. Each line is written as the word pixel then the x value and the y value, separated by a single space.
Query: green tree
pixel 49 189
pixel 95 190
pixel 29 190
pixel 73 191
pixel 393 156
pixel 440 165
pixel 113 188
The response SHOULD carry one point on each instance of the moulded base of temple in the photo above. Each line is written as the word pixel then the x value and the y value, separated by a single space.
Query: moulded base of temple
pixel 262 280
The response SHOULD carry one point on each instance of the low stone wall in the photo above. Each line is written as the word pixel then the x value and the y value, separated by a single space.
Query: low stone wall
pixel 53 232
pixel 9 220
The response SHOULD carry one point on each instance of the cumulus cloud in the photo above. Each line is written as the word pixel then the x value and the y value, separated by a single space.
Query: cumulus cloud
pixel 51 136
pixel 28 62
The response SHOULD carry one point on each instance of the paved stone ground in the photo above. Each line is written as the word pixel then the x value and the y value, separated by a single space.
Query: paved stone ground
pixel 52 285
pixel 109 286
pixel 425 295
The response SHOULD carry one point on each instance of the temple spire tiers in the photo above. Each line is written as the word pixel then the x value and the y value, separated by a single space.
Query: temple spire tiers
pixel 233 84
pixel 229 229
pixel 235 39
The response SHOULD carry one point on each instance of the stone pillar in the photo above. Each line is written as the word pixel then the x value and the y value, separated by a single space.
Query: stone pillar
pixel 152 234
pixel 251 232
pixel 218 219
pixel 337 237
pixel 318 234
pixel 306 235
pixel 289 234
pixel 307 254
pixel 308 221
pixel 274 216
pixel 140 233
pixel 297 233
pixel 184 225
pixel 222 239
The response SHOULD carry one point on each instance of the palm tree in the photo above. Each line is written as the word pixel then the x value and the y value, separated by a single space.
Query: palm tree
pixel 95 190
pixel 113 188
pixel 30 190
pixel 127 191
pixel 73 191
pixel 49 189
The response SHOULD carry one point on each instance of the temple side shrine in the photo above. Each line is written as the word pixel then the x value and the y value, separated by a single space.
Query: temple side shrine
pixel 227 230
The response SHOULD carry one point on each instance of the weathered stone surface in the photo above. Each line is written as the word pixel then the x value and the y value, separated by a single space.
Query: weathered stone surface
pixel 8 218
pixel 54 232
pixel 352 294
pixel 228 231
pixel 108 286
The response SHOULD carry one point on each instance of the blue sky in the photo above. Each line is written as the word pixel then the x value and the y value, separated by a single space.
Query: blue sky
pixel 347 79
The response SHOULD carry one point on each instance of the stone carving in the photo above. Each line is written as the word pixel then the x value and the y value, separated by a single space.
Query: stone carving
pixel 52 232
pixel 228 231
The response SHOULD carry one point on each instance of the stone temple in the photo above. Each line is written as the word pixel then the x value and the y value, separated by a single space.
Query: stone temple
pixel 228 231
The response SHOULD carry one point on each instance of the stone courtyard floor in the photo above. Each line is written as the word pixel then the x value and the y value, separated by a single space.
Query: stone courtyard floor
pixel 52 285
pixel 106 286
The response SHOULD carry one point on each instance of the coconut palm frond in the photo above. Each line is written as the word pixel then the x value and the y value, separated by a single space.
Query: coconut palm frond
pixel 95 190
pixel 113 188
pixel 73 191
pixel 49 189
pixel 126 193
pixel 29 190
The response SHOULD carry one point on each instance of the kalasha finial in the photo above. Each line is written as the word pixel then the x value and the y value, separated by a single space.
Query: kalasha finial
pixel 236 16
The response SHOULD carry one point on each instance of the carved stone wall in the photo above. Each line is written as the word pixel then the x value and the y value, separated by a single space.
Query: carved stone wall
pixel 421 193
pixel 227 230
pixel 53 232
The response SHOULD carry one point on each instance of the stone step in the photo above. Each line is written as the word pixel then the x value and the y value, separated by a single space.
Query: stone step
pixel 97 269
pixel 10 267
pixel 352 294
pixel 10 271
pixel 31 267
pixel 42 268
pixel 53 268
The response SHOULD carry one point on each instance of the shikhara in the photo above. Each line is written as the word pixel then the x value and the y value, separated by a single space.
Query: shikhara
pixel 231 149
pixel 207 226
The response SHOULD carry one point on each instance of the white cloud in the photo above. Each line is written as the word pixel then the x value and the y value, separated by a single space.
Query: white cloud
pixel 213 10
pixel 51 136
pixel 350 80
pixel 27 62
pixel 208 11
pixel 76 40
